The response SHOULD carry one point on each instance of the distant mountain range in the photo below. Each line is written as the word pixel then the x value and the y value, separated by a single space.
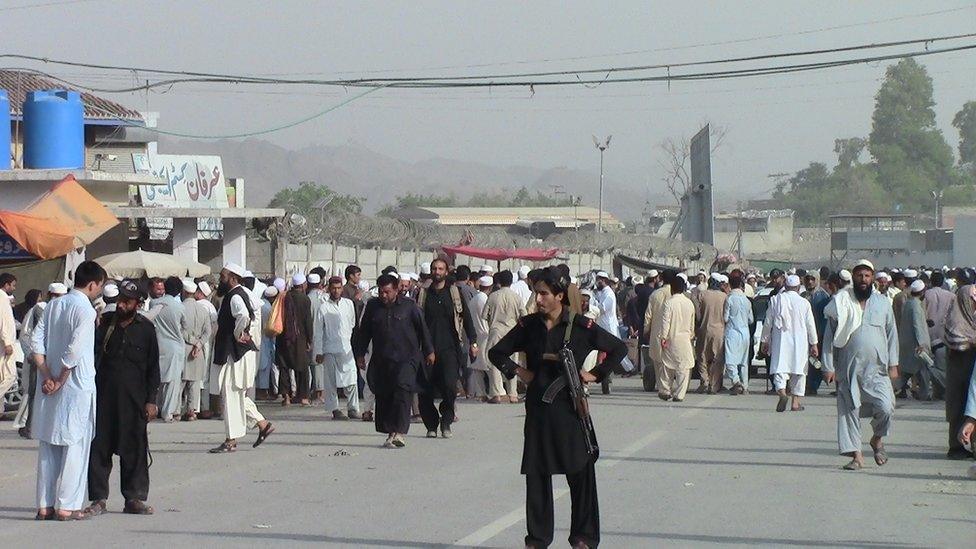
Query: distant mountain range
pixel 359 171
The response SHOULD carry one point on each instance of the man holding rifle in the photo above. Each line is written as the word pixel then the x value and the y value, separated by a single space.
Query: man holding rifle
pixel 559 437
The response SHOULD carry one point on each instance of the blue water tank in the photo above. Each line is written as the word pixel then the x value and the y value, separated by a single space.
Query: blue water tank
pixel 5 129
pixel 54 130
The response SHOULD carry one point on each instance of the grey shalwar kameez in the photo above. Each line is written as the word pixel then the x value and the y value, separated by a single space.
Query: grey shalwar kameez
pixel 861 366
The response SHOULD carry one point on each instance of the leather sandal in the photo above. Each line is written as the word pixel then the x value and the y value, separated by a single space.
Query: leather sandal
pixel 224 448
pixel 96 508
pixel 136 507
pixel 263 434
pixel 73 515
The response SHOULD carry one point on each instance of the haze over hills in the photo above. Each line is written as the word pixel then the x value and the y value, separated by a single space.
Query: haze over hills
pixel 355 169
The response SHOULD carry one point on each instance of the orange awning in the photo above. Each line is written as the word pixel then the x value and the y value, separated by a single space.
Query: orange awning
pixel 63 219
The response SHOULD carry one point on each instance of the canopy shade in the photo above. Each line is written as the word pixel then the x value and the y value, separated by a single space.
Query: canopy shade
pixel 499 254
pixel 138 264
pixel 63 219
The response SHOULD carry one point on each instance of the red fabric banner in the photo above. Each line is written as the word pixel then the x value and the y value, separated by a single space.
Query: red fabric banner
pixel 499 254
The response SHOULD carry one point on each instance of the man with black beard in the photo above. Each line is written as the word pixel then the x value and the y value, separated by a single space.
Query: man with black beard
pixel 860 345
pixel 447 318
pixel 126 381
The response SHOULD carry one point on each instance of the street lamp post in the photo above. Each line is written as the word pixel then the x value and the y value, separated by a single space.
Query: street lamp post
pixel 937 196
pixel 602 146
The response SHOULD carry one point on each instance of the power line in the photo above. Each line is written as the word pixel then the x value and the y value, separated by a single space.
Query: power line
pixel 535 79
pixel 46 5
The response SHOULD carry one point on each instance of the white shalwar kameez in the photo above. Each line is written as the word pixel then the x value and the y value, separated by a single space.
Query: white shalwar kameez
pixel 334 322
pixel 64 422
pixel 235 378
pixel 789 330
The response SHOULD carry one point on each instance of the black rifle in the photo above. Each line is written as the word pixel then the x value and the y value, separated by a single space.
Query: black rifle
pixel 577 394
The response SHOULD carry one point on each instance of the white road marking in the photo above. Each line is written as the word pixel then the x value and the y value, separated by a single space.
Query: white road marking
pixel 517 515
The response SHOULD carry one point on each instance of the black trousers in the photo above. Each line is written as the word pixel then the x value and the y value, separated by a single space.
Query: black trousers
pixel 585 519
pixel 959 369
pixel 392 413
pixel 442 383
pixel 300 390
pixel 133 456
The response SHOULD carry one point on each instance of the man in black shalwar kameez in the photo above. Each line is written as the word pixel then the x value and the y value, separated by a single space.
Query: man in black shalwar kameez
pixel 127 379
pixel 554 440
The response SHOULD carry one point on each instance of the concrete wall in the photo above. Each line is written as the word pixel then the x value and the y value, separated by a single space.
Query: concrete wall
pixel 335 258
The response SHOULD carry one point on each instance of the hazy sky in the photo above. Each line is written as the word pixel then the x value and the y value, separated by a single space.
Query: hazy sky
pixel 775 123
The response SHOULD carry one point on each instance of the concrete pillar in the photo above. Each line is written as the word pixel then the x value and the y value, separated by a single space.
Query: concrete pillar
pixel 185 238
pixel 235 242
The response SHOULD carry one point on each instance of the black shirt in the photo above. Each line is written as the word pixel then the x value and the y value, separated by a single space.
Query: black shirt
pixel 439 314
pixel 130 356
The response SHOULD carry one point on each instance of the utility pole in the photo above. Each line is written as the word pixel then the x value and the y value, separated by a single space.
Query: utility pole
pixel 602 146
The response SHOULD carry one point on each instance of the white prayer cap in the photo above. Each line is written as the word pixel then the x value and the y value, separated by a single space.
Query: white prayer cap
pixel 236 269
pixel 189 286
pixel 204 288
pixel 896 270
pixel 486 281
pixel 845 275
pixel 314 278
pixel 425 269
pixel 702 272
pixel 792 271
pixel 270 291
pixel 248 274
pixel 587 293
pixel 716 277
pixel 911 273
pixel 59 289
pixel 280 284
pixel 414 276
pixel 297 279
pixel 792 281
pixel 603 274
pixel 750 275
pixel 653 273
pixel 404 276
pixel 638 280
pixel 615 279
pixel 486 269
pixel 928 273
pixel 110 290
pixel 683 276
pixel 363 285
pixel 723 279
pixel 917 287
pixel 883 276
pixel 524 271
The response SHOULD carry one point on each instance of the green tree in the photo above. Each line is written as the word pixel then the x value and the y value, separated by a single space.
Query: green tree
pixel 965 122
pixel 910 152
pixel 305 198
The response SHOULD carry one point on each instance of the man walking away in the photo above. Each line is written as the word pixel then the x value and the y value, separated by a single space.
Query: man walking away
pixel 938 302
pixel 914 344
pixel 710 340
pixel 196 334
pixel 295 343
pixel 676 341
pixel 169 322
pixel 789 337
pixel 126 378
pixel 738 317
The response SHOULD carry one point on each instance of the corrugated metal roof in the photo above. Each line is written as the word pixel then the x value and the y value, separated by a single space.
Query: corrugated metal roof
pixel 18 83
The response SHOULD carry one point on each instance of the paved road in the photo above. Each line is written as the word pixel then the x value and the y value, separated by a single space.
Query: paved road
pixel 714 470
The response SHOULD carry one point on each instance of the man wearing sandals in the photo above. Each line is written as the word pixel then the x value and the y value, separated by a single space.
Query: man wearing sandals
pixel 127 382
pixel 231 344
pixel 64 412
pixel 861 353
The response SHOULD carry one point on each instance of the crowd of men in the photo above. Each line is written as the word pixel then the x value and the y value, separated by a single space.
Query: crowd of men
pixel 108 356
